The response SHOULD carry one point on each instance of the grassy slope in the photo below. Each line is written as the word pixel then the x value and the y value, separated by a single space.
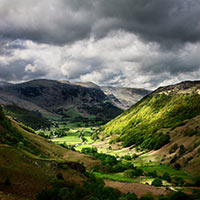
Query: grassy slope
pixel 141 123
pixel 28 159
pixel 29 118
pixel 190 159
pixel 56 152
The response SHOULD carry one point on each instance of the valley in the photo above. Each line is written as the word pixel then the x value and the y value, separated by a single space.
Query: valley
pixel 151 150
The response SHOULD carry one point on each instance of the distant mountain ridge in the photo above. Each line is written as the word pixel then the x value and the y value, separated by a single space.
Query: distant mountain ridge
pixel 49 96
pixel 122 97
pixel 75 101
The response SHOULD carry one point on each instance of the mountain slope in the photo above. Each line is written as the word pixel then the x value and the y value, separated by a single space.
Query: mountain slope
pixel 56 98
pixel 123 97
pixel 167 107
pixel 26 159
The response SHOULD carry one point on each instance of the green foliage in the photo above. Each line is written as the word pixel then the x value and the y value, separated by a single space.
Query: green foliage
pixel 11 136
pixel 197 182
pixel 7 181
pixel 132 173
pixel 157 182
pixel 147 197
pixel 166 177
pixel 129 197
pixel 127 157
pixel 69 147
pixel 181 150
pixel 190 132
pixel 173 148
pixel 177 181
pixel 59 176
pixel 174 159
pixel 152 174
pixel 177 166
pixel 32 119
pixel 90 151
pixel 110 162
pixel 27 128
pixel 141 123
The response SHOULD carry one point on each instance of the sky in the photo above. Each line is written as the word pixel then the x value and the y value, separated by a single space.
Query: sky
pixel 128 43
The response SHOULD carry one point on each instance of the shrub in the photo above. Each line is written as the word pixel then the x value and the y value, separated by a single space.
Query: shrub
pixel 182 150
pixel 134 156
pixel 191 132
pixel 92 198
pixel 59 176
pixel 157 182
pixel 178 181
pixel 177 166
pixel 64 193
pixel 152 174
pixel 127 157
pixel 148 196
pixel 197 182
pixel 178 196
pixel 166 177
pixel 173 148
pixel 132 196
pixel 131 173
pixel 42 195
pixel 7 181
pixel 174 159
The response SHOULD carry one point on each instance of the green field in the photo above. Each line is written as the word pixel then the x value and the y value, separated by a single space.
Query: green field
pixel 115 177
pixel 161 169
pixel 72 135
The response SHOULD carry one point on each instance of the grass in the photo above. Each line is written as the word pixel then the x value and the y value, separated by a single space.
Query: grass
pixel 161 169
pixel 139 124
pixel 73 137
pixel 69 140
pixel 115 177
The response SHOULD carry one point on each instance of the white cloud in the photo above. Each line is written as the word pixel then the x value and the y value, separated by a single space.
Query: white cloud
pixel 120 59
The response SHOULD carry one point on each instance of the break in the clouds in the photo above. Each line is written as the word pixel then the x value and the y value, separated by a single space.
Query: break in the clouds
pixel 136 43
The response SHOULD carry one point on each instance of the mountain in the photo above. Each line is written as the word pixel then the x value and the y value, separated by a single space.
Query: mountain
pixel 83 102
pixel 55 98
pixel 124 97
pixel 166 121
pixel 167 107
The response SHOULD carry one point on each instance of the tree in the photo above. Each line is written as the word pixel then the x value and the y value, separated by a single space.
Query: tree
pixel 157 182
pixel 182 150
pixel 166 177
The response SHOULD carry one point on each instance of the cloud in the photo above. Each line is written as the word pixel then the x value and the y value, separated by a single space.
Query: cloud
pixel 169 23
pixel 132 43
pixel 120 59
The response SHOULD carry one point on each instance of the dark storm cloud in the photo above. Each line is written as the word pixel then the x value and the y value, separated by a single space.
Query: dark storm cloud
pixel 15 71
pixel 170 22
pixel 137 43
pixel 157 20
